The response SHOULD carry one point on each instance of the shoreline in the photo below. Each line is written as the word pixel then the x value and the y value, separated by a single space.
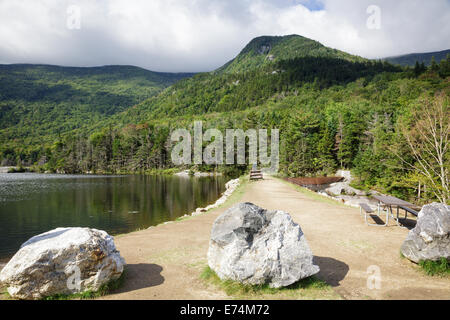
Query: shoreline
pixel 344 247
pixel 13 170
pixel 230 187
pixel 168 171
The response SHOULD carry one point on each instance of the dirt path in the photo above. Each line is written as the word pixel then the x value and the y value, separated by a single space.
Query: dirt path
pixel 165 262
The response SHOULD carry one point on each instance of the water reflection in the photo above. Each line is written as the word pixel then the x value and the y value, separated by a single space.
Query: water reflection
pixel 31 204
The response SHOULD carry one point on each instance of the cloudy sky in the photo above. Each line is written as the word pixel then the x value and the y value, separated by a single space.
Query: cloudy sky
pixel 202 35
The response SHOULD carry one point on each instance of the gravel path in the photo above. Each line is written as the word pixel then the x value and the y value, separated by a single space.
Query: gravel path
pixel 165 262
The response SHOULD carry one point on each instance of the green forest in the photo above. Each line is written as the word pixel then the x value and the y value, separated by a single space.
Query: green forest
pixel 387 123
pixel 41 102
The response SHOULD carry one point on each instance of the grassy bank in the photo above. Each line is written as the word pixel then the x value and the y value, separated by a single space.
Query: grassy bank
pixel 154 171
pixel 4 295
pixel 439 268
pixel 309 288
pixel 168 171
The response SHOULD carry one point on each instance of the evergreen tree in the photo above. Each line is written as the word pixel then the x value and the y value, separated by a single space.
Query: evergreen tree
pixel 434 65
pixel 417 69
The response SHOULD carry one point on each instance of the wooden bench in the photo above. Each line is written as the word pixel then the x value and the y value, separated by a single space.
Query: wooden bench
pixel 413 212
pixel 366 208
pixel 367 211
pixel 407 210
pixel 256 175
pixel 390 202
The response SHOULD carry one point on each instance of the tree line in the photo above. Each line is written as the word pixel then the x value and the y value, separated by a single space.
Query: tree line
pixel 380 121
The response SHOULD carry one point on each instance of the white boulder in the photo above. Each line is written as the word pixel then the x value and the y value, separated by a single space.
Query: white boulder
pixel 62 261
pixel 255 246
pixel 430 239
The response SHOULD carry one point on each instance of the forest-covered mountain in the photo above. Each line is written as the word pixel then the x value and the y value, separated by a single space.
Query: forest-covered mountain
pixel 265 67
pixel 426 58
pixel 268 50
pixel 39 102
pixel 333 110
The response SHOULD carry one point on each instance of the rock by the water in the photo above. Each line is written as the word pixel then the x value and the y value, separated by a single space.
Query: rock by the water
pixel 430 239
pixel 62 261
pixel 230 188
pixel 255 246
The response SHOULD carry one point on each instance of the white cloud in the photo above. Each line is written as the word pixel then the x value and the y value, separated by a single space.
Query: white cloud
pixel 201 35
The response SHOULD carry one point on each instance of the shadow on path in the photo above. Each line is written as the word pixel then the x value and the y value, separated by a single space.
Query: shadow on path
pixel 378 220
pixel 332 271
pixel 140 276
pixel 408 223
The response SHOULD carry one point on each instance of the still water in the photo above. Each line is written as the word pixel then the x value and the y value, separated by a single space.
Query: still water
pixel 33 203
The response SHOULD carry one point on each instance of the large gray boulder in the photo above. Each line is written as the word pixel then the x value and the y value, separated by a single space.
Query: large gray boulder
pixel 255 246
pixel 430 239
pixel 62 261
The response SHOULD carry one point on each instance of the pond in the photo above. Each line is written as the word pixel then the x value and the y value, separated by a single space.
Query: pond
pixel 31 204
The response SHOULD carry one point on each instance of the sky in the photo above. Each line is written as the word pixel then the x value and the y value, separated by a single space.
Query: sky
pixel 202 35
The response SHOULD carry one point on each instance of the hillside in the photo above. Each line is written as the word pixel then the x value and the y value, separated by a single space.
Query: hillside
pixel 252 78
pixel 40 101
pixel 333 110
pixel 410 59
pixel 268 50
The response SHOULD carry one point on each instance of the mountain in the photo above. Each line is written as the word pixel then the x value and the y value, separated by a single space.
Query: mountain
pixel 37 101
pixel 333 110
pixel 410 59
pixel 267 50
pixel 267 66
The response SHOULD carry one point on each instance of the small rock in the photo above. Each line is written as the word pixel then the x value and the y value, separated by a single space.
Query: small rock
pixel 185 173
pixel 230 187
